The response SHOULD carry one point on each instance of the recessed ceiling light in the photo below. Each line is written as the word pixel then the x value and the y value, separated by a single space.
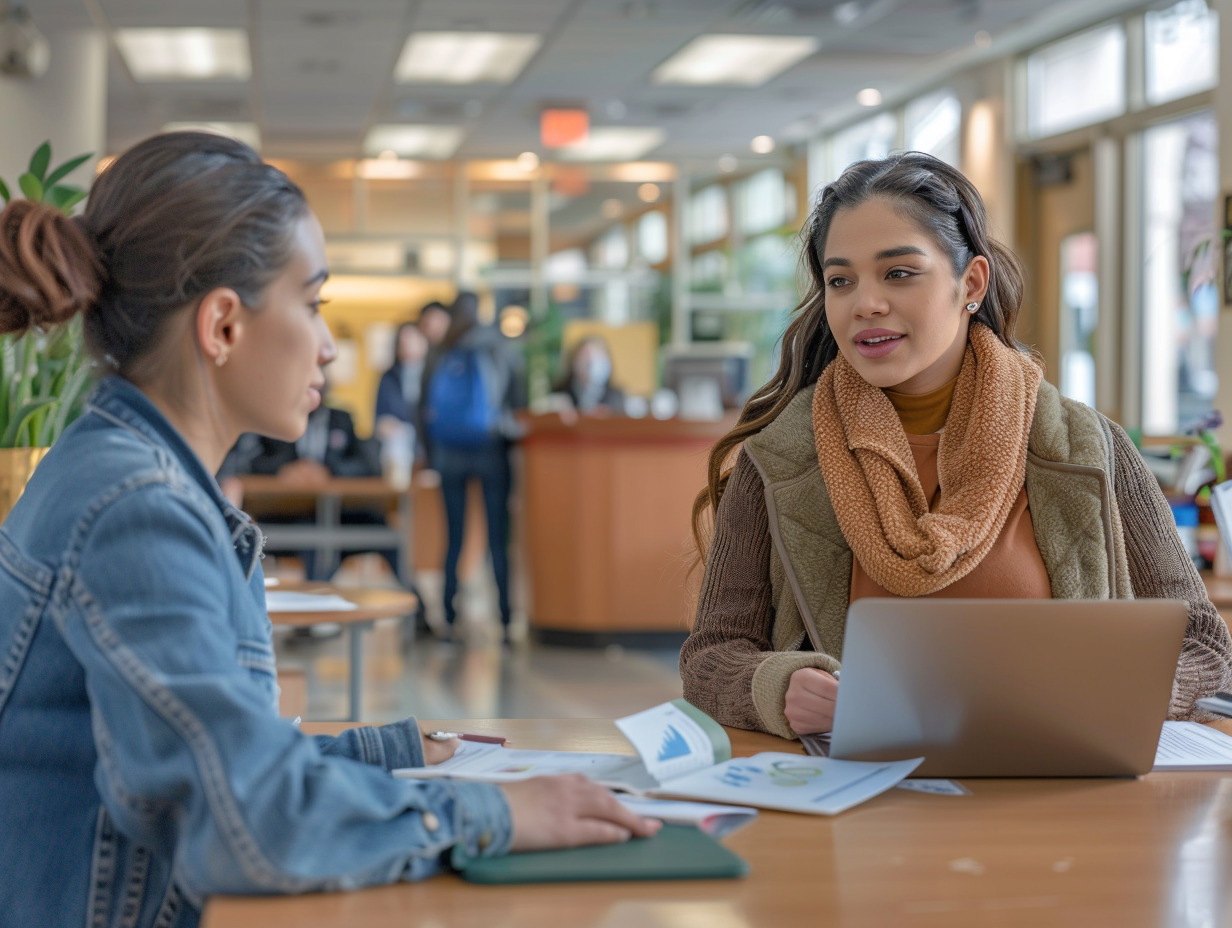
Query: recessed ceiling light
pixel 762 144
pixel 869 96
pixel 728 163
pixel 747 60
pixel 383 168
pixel 614 143
pixel 410 141
pixel 983 39
pixel 528 161
pixel 464 57
pixel 245 132
pixel 611 209
pixel 648 193
pixel 185 54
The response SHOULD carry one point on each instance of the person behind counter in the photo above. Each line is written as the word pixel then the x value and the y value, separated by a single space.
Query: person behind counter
pixel 894 439
pixel 587 379
pixel 143 766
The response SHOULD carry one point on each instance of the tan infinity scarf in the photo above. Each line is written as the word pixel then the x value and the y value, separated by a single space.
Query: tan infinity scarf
pixel 981 464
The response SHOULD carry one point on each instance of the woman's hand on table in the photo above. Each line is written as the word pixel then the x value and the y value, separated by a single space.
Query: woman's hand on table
pixel 437 752
pixel 569 811
pixel 809 707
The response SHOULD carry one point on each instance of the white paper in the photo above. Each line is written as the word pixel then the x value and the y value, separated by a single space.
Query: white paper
pixel 715 820
pixel 271 581
pixel 670 742
pixel 792 782
pixel 284 601
pixel 935 787
pixel 1190 746
pixel 491 763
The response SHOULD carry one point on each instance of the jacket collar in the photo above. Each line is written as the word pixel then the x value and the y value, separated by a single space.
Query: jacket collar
pixel 121 401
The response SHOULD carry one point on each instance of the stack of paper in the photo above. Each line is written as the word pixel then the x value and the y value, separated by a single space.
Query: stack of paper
pixel 1190 746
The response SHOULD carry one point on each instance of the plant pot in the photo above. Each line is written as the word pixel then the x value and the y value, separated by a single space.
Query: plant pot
pixel 16 466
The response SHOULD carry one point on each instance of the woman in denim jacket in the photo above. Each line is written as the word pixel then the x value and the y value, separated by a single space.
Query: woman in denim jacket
pixel 143 766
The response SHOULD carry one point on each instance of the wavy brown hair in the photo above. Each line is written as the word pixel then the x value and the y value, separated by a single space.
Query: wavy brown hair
pixel 949 208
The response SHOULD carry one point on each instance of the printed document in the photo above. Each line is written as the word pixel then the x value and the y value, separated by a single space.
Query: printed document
pixel 1190 746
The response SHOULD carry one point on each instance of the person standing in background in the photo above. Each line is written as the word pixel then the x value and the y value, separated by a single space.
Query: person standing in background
pixel 400 387
pixel 469 395
pixel 587 379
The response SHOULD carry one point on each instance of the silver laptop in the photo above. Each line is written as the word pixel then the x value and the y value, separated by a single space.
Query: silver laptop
pixel 1008 687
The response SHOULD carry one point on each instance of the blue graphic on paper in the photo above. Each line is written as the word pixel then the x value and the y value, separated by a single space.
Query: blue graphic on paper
pixel 674 745
pixel 738 775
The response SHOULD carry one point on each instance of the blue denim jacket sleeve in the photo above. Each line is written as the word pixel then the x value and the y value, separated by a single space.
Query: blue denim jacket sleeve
pixel 193 761
pixel 390 747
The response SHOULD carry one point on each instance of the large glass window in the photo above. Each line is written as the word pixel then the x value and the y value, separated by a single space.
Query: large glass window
pixel 1077 81
pixel 652 236
pixel 766 200
pixel 931 124
pixel 873 138
pixel 1180 306
pixel 708 214
pixel 1079 315
pixel 1182 44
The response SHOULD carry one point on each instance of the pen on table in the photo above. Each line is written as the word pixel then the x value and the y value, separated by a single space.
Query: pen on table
pixel 463 736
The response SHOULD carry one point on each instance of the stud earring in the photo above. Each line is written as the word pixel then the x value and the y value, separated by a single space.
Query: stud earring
pixel 222 357
pixel 973 308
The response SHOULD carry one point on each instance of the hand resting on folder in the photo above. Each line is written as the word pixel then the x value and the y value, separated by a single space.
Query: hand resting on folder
pixel 569 811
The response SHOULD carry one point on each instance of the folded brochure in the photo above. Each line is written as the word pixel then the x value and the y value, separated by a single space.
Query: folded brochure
pixel 683 753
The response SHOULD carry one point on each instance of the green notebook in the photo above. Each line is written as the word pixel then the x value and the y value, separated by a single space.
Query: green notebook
pixel 677 852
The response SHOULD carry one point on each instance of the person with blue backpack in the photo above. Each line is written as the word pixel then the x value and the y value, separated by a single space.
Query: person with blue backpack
pixel 467 413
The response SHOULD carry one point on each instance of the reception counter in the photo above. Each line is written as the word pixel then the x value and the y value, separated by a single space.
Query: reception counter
pixel 606 523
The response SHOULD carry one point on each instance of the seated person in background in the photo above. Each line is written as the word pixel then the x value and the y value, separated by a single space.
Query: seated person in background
pixel 398 393
pixel 328 448
pixel 587 379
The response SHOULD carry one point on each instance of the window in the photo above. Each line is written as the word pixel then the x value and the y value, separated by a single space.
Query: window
pixel 1079 315
pixel 1077 81
pixel 766 201
pixel 708 214
pixel 873 138
pixel 931 124
pixel 1180 301
pixel 708 271
pixel 611 251
pixel 1181 50
pixel 652 236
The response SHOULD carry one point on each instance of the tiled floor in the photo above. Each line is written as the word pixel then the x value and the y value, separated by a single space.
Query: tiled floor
pixel 476 678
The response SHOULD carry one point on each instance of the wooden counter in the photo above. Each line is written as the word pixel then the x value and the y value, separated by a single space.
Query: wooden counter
pixel 607 530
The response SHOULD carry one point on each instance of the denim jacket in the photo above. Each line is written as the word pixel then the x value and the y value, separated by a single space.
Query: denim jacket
pixel 143 765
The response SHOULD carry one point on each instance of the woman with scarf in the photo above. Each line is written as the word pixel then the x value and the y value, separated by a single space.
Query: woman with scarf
pixel 908 445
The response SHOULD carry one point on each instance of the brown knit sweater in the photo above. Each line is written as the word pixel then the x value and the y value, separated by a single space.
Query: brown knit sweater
pixel 731 634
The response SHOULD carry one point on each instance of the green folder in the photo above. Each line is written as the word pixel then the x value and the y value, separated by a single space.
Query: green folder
pixel 677 852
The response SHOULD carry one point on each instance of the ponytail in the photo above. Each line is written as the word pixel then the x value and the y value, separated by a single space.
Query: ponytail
pixel 49 267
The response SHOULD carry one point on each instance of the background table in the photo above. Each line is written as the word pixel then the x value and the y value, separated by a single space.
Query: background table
pixel 1151 851
pixel 327 535
pixel 370 605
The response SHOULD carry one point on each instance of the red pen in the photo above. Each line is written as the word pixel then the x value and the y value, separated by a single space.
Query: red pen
pixel 463 736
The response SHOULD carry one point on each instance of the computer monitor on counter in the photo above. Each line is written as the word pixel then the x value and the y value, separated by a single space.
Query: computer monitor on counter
pixel 708 377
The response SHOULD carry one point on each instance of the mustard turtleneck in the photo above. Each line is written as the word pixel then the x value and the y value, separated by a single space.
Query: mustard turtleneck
pixel 923 413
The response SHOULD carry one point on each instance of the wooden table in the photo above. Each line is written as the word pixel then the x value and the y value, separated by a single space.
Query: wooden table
pixel 327 535
pixel 370 605
pixel 1152 851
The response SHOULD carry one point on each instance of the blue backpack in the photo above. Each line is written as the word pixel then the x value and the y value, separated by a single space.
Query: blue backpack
pixel 459 411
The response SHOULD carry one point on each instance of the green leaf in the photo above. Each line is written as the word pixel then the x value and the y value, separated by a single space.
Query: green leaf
pixel 66 168
pixel 70 400
pixel 31 186
pixel 64 197
pixel 40 160
pixel 9 437
pixel 4 192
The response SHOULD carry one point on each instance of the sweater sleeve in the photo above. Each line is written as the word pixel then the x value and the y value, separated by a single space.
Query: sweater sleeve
pixel 1159 568
pixel 731 634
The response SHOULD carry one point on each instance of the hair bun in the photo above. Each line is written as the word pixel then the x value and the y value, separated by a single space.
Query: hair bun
pixel 49 267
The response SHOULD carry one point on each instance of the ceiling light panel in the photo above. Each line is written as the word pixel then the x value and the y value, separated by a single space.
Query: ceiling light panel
pixel 743 60
pixel 614 143
pixel 464 57
pixel 410 141
pixel 185 54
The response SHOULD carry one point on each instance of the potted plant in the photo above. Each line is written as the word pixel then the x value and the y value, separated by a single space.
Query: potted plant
pixel 45 375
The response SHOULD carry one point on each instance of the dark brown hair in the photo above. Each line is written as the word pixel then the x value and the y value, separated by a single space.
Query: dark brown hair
pixel 463 316
pixel 943 203
pixel 173 218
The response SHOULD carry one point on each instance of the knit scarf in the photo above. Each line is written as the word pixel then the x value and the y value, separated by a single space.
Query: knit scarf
pixel 981 466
